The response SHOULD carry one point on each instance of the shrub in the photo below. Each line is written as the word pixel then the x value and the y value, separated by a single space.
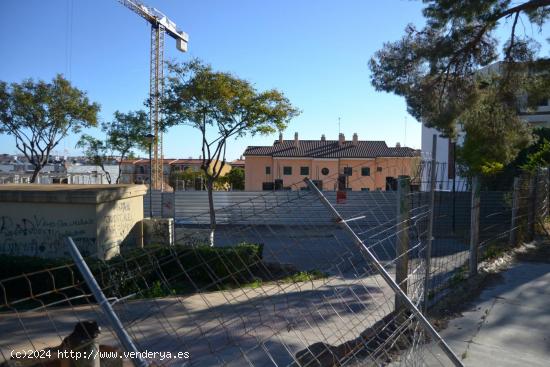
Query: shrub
pixel 28 282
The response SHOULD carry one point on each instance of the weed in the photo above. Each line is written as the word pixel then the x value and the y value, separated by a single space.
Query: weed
pixel 304 276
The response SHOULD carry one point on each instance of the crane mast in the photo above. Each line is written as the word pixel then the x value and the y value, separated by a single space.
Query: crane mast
pixel 160 25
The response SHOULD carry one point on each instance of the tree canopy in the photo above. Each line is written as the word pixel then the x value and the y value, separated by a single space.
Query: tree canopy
pixel 436 68
pixel 222 107
pixel 124 134
pixel 235 178
pixel 439 70
pixel 39 115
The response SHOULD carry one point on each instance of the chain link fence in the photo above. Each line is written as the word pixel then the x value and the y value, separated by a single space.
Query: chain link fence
pixel 347 282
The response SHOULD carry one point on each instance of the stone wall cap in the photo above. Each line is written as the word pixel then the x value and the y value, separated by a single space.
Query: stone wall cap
pixel 62 193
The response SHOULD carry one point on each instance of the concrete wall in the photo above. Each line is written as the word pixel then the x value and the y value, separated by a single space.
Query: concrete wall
pixel 158 231
pixel 118 225
pixel 101 219
pixel 282 207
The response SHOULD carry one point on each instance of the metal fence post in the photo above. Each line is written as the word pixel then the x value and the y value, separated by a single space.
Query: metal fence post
pixel 474 225
pixel 402 238
pixel 532 207
pixel 514 220
pixel 121 333
pixel 428 260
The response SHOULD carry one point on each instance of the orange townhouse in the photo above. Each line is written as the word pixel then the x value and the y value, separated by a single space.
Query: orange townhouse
pixel 331 164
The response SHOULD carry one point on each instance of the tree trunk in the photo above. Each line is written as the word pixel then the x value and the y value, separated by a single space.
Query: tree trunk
pixel 35 173
pixel 119 172
pixel 210 188
pixel 107 174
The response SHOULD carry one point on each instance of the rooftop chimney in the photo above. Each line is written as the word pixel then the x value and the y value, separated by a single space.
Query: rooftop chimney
pixel 355 138
pixel 341 139
pixel 296 141
pixel 398 145
pixel 280 137
pixel 323 137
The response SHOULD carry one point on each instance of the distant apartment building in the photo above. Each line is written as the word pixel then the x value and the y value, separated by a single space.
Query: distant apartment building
pixel 331 164
pixel 238 163
pixel 58 170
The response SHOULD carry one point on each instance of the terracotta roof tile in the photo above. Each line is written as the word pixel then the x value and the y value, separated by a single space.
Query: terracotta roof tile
pixel 330 149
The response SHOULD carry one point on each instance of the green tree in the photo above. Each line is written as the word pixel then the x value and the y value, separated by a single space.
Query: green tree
pixel 222 107
pixel 189 178
pixel 494 135
pixel 39 115
pixel 125 133
pixel 437 68
pixel 234 178
pixel 538 159
pixel 97 152
pixel 529 158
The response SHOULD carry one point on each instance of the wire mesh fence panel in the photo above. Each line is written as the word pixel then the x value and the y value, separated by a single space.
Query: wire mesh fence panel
pixel 278 281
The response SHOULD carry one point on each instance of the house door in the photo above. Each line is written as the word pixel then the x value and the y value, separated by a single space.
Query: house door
pixel 391 184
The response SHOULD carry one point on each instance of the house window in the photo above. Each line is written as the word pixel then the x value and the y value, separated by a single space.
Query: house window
pixel 267 170
pixel 365 171
pixel 325 171
pixel 348 171
pixel 287 171
pixel 268 186
pixel 365 189
pixel 379 169
pixel 141 169
pixel 304 171
pixel 318 183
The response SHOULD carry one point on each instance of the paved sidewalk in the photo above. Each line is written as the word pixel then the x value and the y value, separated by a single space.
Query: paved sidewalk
pixel 263 326
pixel 509 324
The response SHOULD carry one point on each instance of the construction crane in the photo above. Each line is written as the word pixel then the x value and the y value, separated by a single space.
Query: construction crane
pixel 160 24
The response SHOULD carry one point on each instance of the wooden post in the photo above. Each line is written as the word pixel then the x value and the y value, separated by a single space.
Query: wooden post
pixel 474 226
pixel 515 205
pixel 428 259
pixel 402 238
pixel 532 207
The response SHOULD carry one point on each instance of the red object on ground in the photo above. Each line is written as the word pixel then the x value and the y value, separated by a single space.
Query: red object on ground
pixel 341 197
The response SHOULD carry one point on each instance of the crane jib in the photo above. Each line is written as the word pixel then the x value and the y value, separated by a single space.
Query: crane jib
pixel 157 18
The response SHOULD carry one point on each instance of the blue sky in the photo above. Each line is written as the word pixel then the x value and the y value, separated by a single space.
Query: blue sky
pixel 315 51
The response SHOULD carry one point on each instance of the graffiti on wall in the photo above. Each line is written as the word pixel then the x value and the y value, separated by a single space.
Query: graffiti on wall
pixel 117 228
pixel 37 235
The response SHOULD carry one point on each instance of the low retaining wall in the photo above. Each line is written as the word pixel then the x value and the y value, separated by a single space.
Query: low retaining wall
pixel 101 219
pixel 158 231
